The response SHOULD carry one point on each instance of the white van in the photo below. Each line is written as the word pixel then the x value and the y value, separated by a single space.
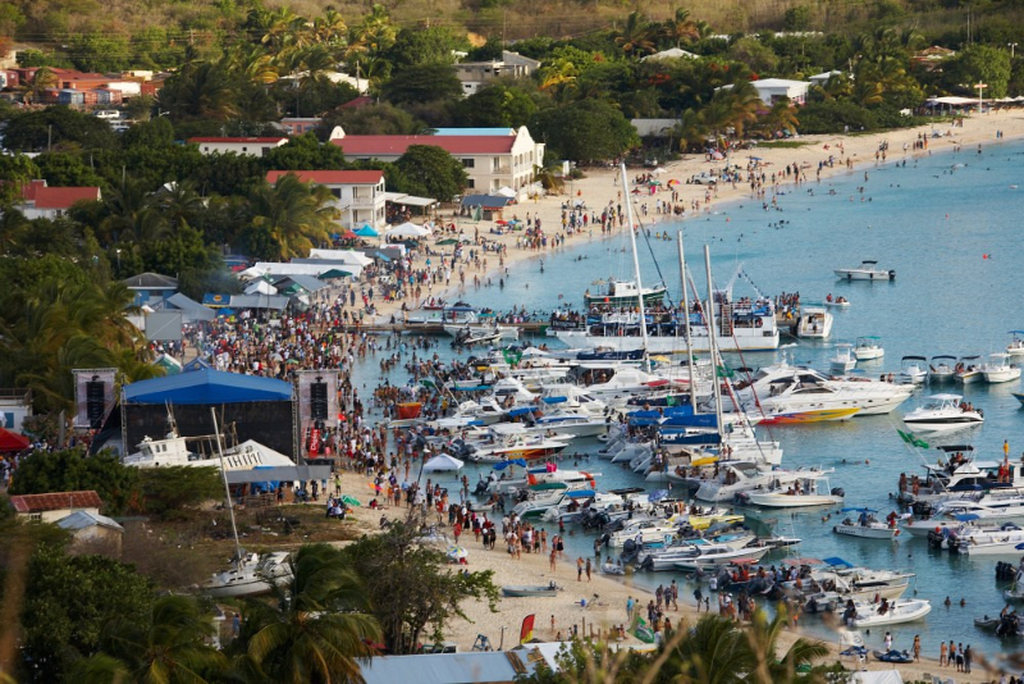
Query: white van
pixel 108 114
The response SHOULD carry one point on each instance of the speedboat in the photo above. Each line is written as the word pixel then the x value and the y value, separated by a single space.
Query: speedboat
pixel 714 556
pixel 784 394
pixel 942 368
pixel 843 361
pixel 808 491
pixel 1016 346
pixel 999 369
pixel 849 581
pixel 991 509
pixel 892 612
pixel 868 348
pixel 1007 539
pixel 814 322
pixel 867 270
pixel 866 526
pixel 508 333
pixel 943 412
pixel 913 369
pixel 737 479
pixel 968 369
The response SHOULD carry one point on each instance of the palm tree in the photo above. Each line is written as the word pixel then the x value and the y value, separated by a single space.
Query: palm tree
pixel 296 215
pixel 44 78
pixel 716 652
pixel 171 648
pixel 320 626
pixel 691 130
pixel 201 90
pixel 680 27
pixel 637 36
pixel 781 117
pixel 762 636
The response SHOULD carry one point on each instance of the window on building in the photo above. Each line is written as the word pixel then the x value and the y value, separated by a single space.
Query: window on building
pixel 468 163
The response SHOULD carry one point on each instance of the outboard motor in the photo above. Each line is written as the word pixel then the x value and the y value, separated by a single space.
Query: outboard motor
pixel 648 564
pixel 838 491
pixel 481 488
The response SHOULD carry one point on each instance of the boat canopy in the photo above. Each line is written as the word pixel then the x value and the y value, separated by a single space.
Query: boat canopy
pixel 955 447
pixel 914 358
pixel 581 494
pixel 506 464
pixel 837 562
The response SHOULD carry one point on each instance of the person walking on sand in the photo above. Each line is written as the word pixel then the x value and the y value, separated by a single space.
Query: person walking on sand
pixel 629 608
pixel 588 569
pixel 579 568
pixel 917 647
pixel 942 654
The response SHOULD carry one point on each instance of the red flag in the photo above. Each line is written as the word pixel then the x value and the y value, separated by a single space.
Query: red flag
pixel 526 632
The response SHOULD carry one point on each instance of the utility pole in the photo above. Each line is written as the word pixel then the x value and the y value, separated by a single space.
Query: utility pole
pixel 1012 46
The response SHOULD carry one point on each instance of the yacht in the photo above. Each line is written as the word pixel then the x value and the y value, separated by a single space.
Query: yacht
pixel 804 492
pixel 868 270
pixel 815 322
pixel 913 369
pixel 868 348
pixel 836 576
pixel 943 413
pixel 784 394
pixel 1016 346
pixel 744 477
pixel 991 509
pixel 250 575
pixel 973 540
pixel 622 293
pixel 958 477
pixel 999 369
pixel 942 368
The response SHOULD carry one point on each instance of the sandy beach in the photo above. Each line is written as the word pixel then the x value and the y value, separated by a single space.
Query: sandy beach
pixel 556 616
pixel 600 187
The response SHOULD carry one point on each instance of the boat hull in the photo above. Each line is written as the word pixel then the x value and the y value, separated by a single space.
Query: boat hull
pixel 658 344
pixel 866 532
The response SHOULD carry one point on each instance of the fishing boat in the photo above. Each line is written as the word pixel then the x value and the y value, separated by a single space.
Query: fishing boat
pixel 530 590
pixel 999 369
pixel 1016 346
pixel 814 323
pixel 868 270
pixel 943 413
pixel 968 369
pixel 805 492
pixel 942 368
pixel 892 612
pixel 868 348
pixel 866 526
pixel 619 294
pixel 913 369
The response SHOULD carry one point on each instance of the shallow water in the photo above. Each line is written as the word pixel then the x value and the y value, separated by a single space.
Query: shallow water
pixel 949 225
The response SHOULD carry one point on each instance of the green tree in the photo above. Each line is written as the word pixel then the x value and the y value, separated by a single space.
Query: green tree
pixel 68 470
pixel 638 37
pixel 169 647
pixel 66 169
pixel 432 172
pixel 419 46
pixel 498 104
pixel 15 171
pixel 754 54
pixel 297 216
pixel 379 118
pixel 978 63
pixel 168 492
pixel 200 91
pixel 318 625
pixel 304 153
pixel 420 83
pixel 585 131
pixel 411 587
pixel 58 127
pixel 70 601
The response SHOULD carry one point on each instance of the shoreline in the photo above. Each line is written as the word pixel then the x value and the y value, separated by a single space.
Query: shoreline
pixel 601 619
pixel 851 153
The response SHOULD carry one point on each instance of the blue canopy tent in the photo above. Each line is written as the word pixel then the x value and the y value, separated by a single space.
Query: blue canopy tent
pixel 207 386
pixel 367 231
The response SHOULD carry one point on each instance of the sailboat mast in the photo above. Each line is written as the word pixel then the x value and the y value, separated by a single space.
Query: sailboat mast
pixel 636 265
pixel 227 490
pixel 686 319
pixel 713 341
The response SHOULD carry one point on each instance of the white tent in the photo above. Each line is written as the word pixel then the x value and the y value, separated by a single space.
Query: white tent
pixel 442 462
pixel 505 191
pixel 260 286
pixel 877 677
pixel 346 256
pixel 407 230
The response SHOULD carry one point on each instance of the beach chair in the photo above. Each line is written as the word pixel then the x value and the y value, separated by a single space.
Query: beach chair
pixel 482 643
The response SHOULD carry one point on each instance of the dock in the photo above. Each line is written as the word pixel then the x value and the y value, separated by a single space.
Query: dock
pixel 528 328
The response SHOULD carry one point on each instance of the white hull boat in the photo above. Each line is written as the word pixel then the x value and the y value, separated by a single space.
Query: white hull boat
pixel 913 370
pixel 868 270
pixel 898 611
pixel 942 413
pixel 999 369
pixel 875 530
pixel 843 361
pixel 868 348
pixel 712 559
pixel 942 368
pixel 968 370
pixel 507 333
pixel 814 323
pixel 783 500
pixel 251 576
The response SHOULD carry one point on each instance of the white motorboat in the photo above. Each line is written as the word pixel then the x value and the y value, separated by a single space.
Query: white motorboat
pixel 815 322
pixel 868 348
pixel 713 556
pixel 868 270
pixel 459 314
pixel 737 479
pixel 913 369
pixel 943 413
pixel 649 532
pixel 1006 540
pixel 507 333
pixel 1016 346
pixel 251 575
pixel 893 612
pixel 843 360
pixel 999 369
pixel 942 368
pixel 804 492
pixel 784 394
pixel 852 582
pixel 968 370
pixel 839 302
pixel 991 509
pixel 516 446
pixel 866 526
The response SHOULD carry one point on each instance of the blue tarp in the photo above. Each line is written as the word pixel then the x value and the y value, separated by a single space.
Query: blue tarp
pixel 836 561
pixel 506 464
pixel 207 386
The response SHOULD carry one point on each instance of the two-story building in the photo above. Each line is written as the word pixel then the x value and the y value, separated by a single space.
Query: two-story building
pixel 41 201
pixel 252 146
pixel 474 75
pixel 359 195
pixel 492 160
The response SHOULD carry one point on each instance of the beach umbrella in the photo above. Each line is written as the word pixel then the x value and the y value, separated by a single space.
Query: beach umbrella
pixel 350 500
pixel 502 222
pixel 456 553
pixel 348 235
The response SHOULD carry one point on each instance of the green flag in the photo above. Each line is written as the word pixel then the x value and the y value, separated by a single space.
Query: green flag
pixel 723 372
pixel 913 440
pixel 918 442
pixel 905 437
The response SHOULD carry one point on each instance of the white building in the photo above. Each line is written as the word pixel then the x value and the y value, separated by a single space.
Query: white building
pixel 359 195
pixel 252 147
pixel 772 90
pixel 41 201
pixel 474 75
pixel 491 161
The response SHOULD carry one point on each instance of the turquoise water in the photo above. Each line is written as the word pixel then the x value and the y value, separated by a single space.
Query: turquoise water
pixel 949 225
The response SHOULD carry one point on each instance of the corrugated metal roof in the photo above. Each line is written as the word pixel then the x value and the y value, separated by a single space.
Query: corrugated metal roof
pixel 207 386
pixel 445 668
pixel 80 520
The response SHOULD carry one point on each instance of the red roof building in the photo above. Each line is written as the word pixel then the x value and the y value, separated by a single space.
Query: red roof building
pixel 53 506
pixel 369 177
pixel 42 201
pixel 359 195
